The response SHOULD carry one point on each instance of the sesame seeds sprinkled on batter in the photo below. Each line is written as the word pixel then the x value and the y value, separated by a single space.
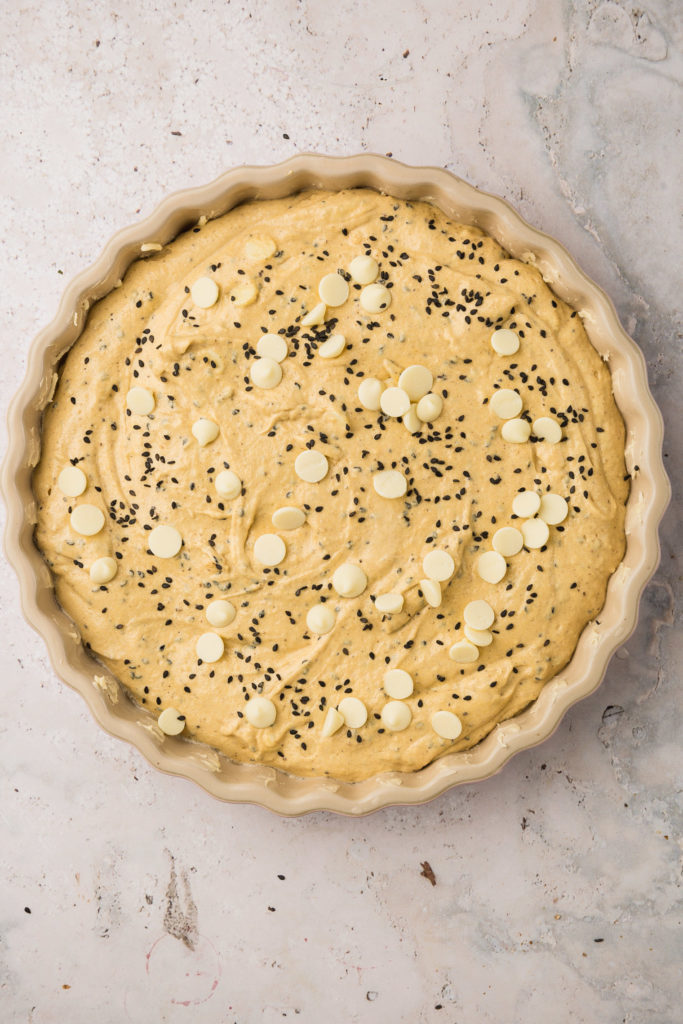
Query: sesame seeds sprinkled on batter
pixel 427 308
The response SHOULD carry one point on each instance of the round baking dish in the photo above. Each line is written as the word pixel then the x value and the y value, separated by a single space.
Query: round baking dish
pixel 264 785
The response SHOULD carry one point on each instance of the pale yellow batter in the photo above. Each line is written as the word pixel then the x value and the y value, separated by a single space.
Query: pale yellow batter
pixel 150 459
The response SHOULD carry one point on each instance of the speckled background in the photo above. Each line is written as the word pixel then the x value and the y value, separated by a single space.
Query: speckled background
pixel 553 891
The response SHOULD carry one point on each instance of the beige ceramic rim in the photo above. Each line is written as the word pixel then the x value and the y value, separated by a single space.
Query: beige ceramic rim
pixel 263 785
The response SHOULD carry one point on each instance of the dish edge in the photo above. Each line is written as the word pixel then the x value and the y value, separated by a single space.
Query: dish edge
pixel 268 787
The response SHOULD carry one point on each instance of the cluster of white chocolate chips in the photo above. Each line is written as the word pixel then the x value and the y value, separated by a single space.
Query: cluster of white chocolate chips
pixel 333 291
pixel 349 581
pixel 395 715
pixel 479 616
pixel 205 291
pixel 507 404
pixel 411 399
pixel 87 520
pixel 538 513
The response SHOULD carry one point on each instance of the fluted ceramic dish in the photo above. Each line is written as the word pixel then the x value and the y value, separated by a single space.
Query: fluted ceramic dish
pixel 267 786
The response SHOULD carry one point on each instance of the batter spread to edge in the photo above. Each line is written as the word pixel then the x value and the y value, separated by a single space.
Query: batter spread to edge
pixel 167 358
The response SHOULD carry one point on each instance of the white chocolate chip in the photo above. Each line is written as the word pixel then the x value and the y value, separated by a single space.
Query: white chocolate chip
pixel 288 518
pixel 517 431
pixel 374 298
pixel 438 565
pixel 463 652
pixel 333 347
pixel 491 567
pixel 320 619
pixel 416 381
pixel 363 269
pixel 398 683
pixel 505 342
pixel 228 484
pixel 269 549
pixel 535 533
pixel 151 247
pixel 265 373
pixel 315 316
pixel 165 541
pixel 394 402
pixel 389 604
pixel 479 614
pixel 205 431
pixel 210 647
pixel 396 716
pixel 506 403
pixel 354 711
pixel 431 591
pixel 526 504
pixel 171 722
pixel 553 509
pixel 547 429
pixel 272 346
pixel 72 481
pixel 244 293
pixel 349 580
pixel 507 541
pixel 220 613
pixel 478 637
pixel 369 393
pixel 204 292
pixel 140 401
pixel 311 466
pixel 411 421
pixel 87 520
pixel 446 724
pixel 103 570
pixel 260 248
pixel 389 483
pixel 333 290
pixel 260 712
pixel 429 408
pixel 333 722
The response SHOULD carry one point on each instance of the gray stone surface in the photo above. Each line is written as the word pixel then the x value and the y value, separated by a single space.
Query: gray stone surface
pixel 558 882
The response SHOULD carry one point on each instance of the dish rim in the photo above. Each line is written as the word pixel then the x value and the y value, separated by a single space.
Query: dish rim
pixel 272 788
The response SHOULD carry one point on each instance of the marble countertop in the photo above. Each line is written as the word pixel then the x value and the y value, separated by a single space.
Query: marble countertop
pixel 550 892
